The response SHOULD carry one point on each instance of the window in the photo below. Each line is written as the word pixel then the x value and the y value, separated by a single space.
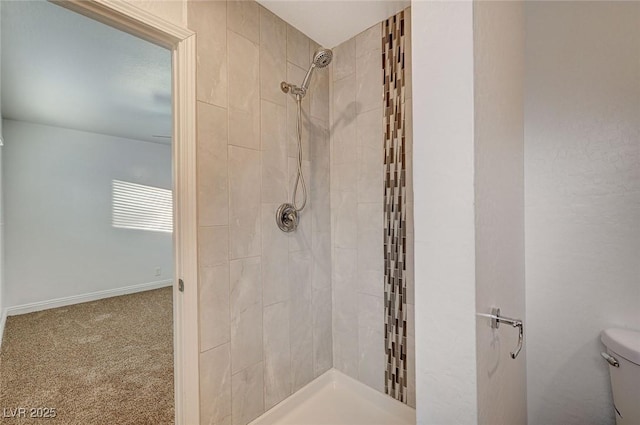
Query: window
pixel 136 206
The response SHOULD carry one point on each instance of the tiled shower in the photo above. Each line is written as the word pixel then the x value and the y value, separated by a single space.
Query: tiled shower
pixel 279 309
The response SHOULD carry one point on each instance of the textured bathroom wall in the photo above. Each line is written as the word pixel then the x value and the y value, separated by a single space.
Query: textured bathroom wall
pixel 443 171
pixel 582 205
pixel 498 43
pixel 265 296
pixel 357 211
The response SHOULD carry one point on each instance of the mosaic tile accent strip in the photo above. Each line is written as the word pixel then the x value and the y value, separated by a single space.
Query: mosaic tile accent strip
pixel 395 220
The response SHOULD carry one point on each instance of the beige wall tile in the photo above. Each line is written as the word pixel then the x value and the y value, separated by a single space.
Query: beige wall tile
pixel 277 354
pixel 215 386
pixel 345 220
pixel 345 316
pixel 297 48
pixel 246 312
pixel 344 136
pixel 275 258
pixel 371 248
pixel 244 92
pixel 322 329
pixel 247 394
pixel 369 41
pixel 274 153
pixel 213 300
pixel 243 17
pixel 300 319
pixel 344 58
pixel 370 156
pixel 371 347
pixel 244 129
pixel 369 71
pixel 244 202
pixel 209 20
pixel 321 273
pixel 273 56
pixel 213 193
pixel 371 361
pixel 213 243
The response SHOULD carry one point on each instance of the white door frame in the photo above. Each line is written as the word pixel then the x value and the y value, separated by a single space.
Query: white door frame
pixel 182 43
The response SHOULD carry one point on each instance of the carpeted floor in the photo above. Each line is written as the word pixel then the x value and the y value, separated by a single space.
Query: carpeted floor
pixel 102 362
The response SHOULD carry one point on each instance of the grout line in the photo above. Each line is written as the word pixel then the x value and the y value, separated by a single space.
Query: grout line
pixel 212 104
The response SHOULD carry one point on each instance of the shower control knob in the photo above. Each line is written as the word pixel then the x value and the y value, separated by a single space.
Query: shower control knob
pixel 287 218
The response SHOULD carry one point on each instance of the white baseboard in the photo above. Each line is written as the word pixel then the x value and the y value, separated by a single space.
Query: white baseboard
pixel 83 298
pixel 3 320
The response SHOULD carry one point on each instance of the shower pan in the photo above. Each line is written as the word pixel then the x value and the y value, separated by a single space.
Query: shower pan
pixel 287 214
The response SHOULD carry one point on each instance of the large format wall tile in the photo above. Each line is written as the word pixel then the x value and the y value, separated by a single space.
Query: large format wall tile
pixel 371 356
pixel 244 92
pixel 370 249
pixel 247 394
pixel 370 156
pixel 368 70
pixel 273 56
pixel 345 312
pixel 344 62
pixel 357 195
pixel 243 18
pixel 297 48
pixel 215 386
pixel 213 301
pixel 321 273
pixel 244 202
pixel 213 246
pixel 211 160
pixel 322 323
pixel 274 153
pixel 275 258
pixel 277 354
pixel 209 20
pixel 345 207
pixel 246 312
pixel 300 322
pixel 253 278
pixel 344 138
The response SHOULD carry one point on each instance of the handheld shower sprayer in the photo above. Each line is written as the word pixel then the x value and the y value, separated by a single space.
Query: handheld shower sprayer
pixel 321 59
pixel 287 214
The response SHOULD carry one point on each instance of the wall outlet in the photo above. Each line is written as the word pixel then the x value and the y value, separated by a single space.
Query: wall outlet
pixel 158 271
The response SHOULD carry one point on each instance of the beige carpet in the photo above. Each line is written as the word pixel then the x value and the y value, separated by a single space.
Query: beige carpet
pixel 102 362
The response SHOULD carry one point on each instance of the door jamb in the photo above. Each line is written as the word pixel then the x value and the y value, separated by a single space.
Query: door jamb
pixel 182 43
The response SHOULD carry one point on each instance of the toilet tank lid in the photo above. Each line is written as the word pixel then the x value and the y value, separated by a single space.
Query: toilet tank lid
pixel 623 342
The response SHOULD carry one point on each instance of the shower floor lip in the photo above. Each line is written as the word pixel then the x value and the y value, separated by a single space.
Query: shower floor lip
pixel 334 398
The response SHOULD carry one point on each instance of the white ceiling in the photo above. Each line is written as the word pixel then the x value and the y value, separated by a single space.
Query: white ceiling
pixel 331 22
pixel 60 68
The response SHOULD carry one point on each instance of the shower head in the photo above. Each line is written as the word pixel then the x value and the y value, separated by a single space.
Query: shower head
pixel 321 59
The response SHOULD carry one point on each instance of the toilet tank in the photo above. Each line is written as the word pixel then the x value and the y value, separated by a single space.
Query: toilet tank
pixel 623 346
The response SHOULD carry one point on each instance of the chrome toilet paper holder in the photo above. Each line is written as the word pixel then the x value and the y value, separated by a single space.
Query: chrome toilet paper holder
pixel 496 319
